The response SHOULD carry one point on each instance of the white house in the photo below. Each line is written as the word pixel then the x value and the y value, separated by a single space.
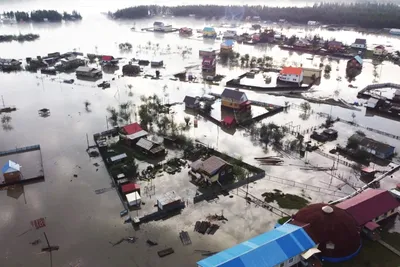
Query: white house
pixel 380 50
pixel 359 44
pixel 291 74
pixel 161 27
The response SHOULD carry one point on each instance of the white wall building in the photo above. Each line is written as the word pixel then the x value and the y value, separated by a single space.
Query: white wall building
pixel 291 74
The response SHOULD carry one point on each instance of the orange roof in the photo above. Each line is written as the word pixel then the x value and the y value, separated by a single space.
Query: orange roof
pixel 291 70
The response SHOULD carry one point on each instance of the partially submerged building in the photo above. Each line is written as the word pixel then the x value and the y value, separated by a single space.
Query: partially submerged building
pixel 131 133
pixel 208 52
pixel 191 102
pixel 213 169
pixel 11 172
pixel 371 146
pixel 287 245
pixel 8 64
pixel 235 99
pixel 150 148
pixel 170 201
pixel 355 63
pixel 334 230
pixel 69 63
pixel 371 207
pixel 227 47
pixel 209 32
pixel 209 64
pixel 131 69
pixel 159 26
pixel 88 72
pixel 359 44
pixel 291 75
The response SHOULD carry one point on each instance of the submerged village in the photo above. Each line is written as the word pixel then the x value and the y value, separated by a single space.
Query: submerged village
pixel 197 142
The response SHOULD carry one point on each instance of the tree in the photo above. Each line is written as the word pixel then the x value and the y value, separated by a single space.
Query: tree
pixel 328 69
pixel 292 40
pixel 187 120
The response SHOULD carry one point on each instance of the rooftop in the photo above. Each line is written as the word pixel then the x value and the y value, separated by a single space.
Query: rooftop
pixel 168 198
pixel 371 143
pixel 233 94
pixel 10 166
pixel 118 157
pixel 369 205
pixel 267 250
pixel 132 128
pixel 212 164
pixel 361 41
pixel 137 135
pixel 145 144
pixel 291 70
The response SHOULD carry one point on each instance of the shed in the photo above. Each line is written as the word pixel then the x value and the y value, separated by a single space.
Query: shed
pixel 191 102
pixel 370 205
pixel 156 63
pixel 118 158
pixel 284 244
pixel 169 201
pixel 129 188
pixel 134 199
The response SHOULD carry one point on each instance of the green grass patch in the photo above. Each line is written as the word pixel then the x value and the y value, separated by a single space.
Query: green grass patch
pixel 372 254
pixel 284 219
pixel 286 201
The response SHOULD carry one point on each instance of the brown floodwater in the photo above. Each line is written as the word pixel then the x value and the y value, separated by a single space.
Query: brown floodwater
pixel 83 223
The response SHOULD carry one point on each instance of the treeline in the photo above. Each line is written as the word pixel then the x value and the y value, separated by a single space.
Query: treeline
pixel 367 15
pixel 20 38
pixel 42 15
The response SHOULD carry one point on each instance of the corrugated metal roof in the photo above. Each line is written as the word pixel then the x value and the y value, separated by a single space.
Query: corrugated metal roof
pixel 132 128
pixel 267 250
pixel 168 198
pixel 118 157
pixel 233 94
pixel 137 135
pixel 212 164
pixel 144 143
pixel 11 166
pixel 369 204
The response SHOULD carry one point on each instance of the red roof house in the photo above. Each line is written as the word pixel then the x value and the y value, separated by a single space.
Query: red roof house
pixel 129 188
pixel 107 58
pixel 132 128
pixel 229 121
pixel 370 205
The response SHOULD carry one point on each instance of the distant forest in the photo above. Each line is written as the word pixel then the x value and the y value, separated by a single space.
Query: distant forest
pixel 42 15
pixel 366 15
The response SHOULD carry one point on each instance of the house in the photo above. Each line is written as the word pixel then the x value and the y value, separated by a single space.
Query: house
pixel 11 172
pixel 335 46
pixel 191 102
pixel 235 99
pixel 396 96
pixel 370 207
pixel 131 69
pixel 208 52
pixel 129 188
pixel 209 64
pixel 213 169
pixel 359 44
pixel 227 46
pixel 302 43
pixel 156 63
pixel 209 32
pixel 373 147
pixel 69 63
pixel 8 64
pixel 312 23
pixel 108 61
pixel 355 63
pixel 132 133
pixel 170 201
pixel 229 34
pixel 286 245
pixel 88 72
pixel 380 50
pixel 291 75
pixel 150 148
pixel 161 27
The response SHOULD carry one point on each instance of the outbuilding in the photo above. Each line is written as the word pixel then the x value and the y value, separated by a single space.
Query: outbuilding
pixel 134 199
pixel 11 172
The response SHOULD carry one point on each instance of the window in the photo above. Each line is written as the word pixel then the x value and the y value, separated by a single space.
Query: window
pixel 282 264
pixel 330 245
pixel 291 260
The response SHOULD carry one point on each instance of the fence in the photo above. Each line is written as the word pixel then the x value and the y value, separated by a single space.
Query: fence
pixel 20 150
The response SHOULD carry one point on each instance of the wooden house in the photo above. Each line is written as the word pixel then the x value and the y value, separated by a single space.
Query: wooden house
pixel 235 99
pixel 213 169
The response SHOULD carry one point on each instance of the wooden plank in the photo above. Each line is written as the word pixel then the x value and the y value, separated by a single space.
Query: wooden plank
pixel 165 252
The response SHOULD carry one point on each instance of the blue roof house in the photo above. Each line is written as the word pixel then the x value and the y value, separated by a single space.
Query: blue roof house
pixel 280 247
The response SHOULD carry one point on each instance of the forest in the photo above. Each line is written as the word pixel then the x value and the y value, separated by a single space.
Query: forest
pixel 366 15
pixel 42 15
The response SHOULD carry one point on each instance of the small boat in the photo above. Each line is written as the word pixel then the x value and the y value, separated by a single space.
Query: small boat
pixel 123 213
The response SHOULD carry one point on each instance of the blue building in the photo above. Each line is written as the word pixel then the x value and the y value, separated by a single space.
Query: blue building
pixel 284 246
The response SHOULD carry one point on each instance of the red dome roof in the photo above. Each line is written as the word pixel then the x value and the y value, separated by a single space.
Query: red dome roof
pixel 334 229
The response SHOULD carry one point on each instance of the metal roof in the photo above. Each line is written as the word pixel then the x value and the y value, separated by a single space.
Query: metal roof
pixel 359 59
pixel 137 135
pixel 118 157
pixel 369 143
pixel 369 205
pixel 233 94
pixel 145 144
pixel 267 250
pixel 11 166
pixel 168 198
pixel 212 165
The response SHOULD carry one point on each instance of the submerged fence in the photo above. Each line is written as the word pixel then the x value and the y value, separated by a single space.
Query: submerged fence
pixel 20 150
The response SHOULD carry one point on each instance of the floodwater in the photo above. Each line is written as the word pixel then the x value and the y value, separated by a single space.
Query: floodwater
pixel 83 223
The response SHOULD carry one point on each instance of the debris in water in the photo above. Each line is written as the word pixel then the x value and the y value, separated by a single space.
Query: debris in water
pixel 185 238
pixel 96 164
pixel 165 252
pixel 36 242
pixel 151 243
pixel 75 175
pixel 216 217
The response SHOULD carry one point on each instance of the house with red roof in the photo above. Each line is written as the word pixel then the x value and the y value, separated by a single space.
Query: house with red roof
pixel 380 50
pixel 132 133
pixel 291 75
pixel 370 207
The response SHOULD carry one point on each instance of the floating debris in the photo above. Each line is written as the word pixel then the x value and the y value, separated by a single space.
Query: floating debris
pixel 36 242
pixel 216 217
pixel 165 252
pixel 44 112
pixel 103 190
pixel 151 243
pixel 123 213
pixel 185 238
pixel 205 227
pixel 130 240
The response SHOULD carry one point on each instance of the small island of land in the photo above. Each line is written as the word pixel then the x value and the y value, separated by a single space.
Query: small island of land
pixel 365 15
pixel 20 37
pixel 42 15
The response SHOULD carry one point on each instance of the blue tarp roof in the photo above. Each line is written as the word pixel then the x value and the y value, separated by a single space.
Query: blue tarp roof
pixel 359 59
pixel 266 250
pixel 228 42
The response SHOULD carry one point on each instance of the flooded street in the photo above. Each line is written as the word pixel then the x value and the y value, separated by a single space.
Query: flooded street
pixel 83 223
